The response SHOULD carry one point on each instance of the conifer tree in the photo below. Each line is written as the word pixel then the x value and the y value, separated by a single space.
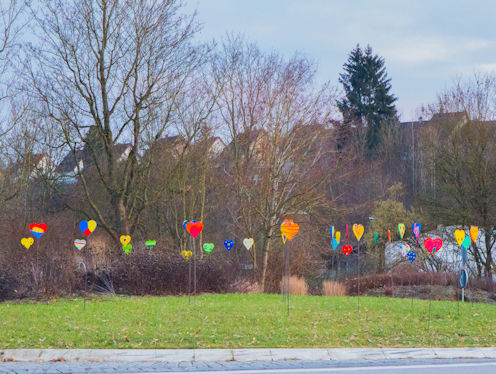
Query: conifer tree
pixel 368 103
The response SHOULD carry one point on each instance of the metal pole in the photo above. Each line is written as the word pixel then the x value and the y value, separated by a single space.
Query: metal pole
pixel 430 299
pixel 189 271
pixel 189 281
pixel 283 278
pixel 288 267
pixel 83 265
pixel 194 268
pixel 358 276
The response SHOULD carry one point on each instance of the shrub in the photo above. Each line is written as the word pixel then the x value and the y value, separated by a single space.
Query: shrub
pixel 330 288
pixel 297 285
pixel 157 273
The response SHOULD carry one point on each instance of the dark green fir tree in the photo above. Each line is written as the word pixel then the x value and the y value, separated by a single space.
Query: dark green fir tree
pixel 368 103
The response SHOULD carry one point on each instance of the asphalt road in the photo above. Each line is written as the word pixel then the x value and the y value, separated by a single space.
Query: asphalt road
pixel 452 366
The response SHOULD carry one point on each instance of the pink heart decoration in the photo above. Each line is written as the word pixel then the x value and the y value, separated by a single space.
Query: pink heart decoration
pixel 433 245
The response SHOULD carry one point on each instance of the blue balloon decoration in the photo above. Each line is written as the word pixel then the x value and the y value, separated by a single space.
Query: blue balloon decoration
pixel 416 227
pixel 334 243
pixel 411 255
pixel 228 244
pixel 331 228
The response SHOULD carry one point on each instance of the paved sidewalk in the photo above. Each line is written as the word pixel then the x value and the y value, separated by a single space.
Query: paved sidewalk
pixel 242 355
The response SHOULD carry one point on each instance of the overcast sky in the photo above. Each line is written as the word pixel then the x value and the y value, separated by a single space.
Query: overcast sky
pixel 426 44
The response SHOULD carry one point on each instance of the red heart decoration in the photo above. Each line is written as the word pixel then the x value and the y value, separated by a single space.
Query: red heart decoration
pixel 347 249
pixel 433 245
pixel 41 226
pixel 194 228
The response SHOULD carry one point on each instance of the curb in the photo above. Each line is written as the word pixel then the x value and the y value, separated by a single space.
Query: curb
pixel 242 355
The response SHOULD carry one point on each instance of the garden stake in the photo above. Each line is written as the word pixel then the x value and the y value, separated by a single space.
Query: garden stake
pixel 83 266
pixel 358 276
pixel 189 275
pixel 194 268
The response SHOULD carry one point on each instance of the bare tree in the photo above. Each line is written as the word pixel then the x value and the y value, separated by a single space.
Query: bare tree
pixel 461 163
pixel 276 121
pixel 119 68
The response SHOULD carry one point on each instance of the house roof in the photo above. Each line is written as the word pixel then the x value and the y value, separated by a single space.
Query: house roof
pixel 29 163
pixel 68 164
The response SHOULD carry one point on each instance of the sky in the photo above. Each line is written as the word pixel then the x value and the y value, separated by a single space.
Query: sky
pixel 426 44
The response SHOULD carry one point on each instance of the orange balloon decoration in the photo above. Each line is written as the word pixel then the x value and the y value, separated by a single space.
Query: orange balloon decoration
pixel 289 229
pixel 474 233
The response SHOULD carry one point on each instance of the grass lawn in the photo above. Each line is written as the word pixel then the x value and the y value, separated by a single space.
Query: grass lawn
pixel 235 321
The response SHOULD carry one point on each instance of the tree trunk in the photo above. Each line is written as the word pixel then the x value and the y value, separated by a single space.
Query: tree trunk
pixel 266 250
pixel 488 265
pixel 121 221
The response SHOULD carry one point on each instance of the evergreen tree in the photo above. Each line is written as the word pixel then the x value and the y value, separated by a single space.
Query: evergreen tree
pixel 368 103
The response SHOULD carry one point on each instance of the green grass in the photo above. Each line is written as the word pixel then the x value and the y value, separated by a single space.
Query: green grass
pixel 234 321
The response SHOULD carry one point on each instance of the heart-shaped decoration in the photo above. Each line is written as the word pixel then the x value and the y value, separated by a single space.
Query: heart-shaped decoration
pixel 459 236
pixel 185 223
pixel 228 244
pixel 474 233
pixel 347 249
pixel 79 243
pixel 405 248
pixel 187 254
pixel 194 228
pixel 289 229
pixel 127 248
pixel 416 227
pixel 248 243
pixel 331 228
pixel 207 247
pixel 150 243
pixel 338 237
pixel 125 239
pixel 87 227
pixel 401 229
pixel 411 256
pixel 389 236
pixel 38 229
pixel 27 242
pixel 433 245
pixel 334 243
pixel 466 242
pixel 358 231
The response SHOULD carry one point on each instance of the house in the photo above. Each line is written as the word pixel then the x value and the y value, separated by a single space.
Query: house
pixel 216 147
pixel 33 165
pixel 82 159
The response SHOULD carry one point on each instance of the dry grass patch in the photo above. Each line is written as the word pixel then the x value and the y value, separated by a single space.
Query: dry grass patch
pixel 330 288
pixel 297 285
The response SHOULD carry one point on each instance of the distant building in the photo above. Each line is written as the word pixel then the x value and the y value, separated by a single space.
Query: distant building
pixel 217 146
pixel 33 166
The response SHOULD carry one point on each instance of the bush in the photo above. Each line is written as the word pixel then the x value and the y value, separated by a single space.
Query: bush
pixel 297 285
pixel 154 273
pixel 330 288
pixel 412 278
